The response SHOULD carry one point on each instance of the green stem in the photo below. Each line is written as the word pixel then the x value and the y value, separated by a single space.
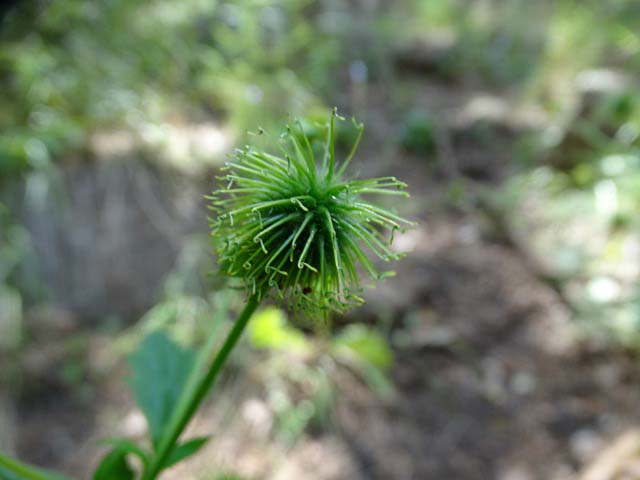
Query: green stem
pixel 25 471
pixel 189 407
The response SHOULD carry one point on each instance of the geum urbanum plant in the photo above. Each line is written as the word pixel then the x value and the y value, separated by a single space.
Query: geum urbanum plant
pixel 291 227
pixel 295 229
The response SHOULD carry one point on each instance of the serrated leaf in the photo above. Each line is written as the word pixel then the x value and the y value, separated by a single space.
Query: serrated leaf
pixel 160 369
pixel 185 450
pixel 114 466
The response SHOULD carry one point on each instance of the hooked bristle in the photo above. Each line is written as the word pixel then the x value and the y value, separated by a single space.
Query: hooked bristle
pixel 295 227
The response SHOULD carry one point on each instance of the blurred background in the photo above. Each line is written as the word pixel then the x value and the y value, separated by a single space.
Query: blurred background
pixel 505 348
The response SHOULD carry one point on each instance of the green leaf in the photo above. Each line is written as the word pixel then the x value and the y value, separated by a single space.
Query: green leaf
pixel 11 469
pixel 129 447
pixel 160 369
pixel 114 466
pixel 184 450
pixel 269 329
pixel 8 475
pixel 365 343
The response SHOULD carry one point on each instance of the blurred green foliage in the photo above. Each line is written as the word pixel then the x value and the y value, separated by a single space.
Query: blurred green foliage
pixel 269 330
pixel 573 202
pixel 68 69
pixel 299 382
pixel 227 476
pixel 515 42
pixel 13 248
pixel 417 134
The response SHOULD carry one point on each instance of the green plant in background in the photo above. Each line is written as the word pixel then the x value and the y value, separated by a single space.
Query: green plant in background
pixel 290 227
pixel 66 74
pixel 300 388
pixel 417 134
pixel 12 252
pixel 489 41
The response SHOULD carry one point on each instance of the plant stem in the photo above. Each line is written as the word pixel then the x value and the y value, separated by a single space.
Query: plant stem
pixel 188 408
pixel 26 471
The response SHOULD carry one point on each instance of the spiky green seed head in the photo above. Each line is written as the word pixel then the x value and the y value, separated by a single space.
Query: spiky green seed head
pixel 293 227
